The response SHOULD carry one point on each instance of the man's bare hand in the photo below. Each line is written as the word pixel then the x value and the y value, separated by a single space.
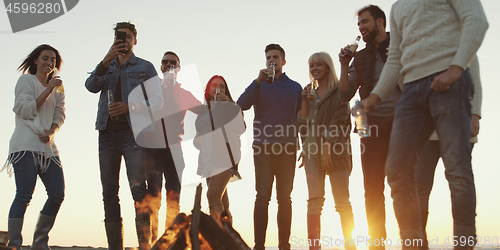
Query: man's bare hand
pixel 370 103
pixel 118 108
pixel 116 49
pixel 474 129
pixel 343 58
pixel 263 74
pixel 443 81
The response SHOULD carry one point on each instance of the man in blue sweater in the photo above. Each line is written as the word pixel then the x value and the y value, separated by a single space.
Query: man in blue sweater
pixel 276 105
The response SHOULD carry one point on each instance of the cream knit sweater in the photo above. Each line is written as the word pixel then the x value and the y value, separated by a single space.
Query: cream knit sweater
pixel 428 36
pixel 31 122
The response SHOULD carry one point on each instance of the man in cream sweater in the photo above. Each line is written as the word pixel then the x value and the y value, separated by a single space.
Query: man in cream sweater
pixel 432 44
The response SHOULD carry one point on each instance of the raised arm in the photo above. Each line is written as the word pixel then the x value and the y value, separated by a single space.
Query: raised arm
pixel 249 96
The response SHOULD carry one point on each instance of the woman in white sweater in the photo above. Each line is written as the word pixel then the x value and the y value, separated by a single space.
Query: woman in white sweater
pixel 39 110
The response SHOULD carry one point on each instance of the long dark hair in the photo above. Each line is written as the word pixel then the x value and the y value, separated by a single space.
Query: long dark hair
pixel 207 88
pixel 29 63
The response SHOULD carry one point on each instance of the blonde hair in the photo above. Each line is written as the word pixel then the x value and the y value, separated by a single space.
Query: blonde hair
pixel 326 59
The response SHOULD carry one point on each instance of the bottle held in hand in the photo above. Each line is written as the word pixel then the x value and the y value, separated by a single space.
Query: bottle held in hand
pixel 360 119
pixel 312 92
pixel 270 76
pixel 217 91
pixel 60 88
pixel 171 76
pixel 352 47
pixel 111 100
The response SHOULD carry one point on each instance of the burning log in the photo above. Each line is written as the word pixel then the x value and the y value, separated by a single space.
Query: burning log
pixel 4 238
pixel 235 236
pixel 214 235
pixel 200 232
pixel 175 231
pixel 195 224
pixel 180 242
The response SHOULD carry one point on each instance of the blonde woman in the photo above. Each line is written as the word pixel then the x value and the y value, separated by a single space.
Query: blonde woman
pixel 326 149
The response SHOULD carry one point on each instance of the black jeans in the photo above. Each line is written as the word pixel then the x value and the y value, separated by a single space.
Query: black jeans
pixel 374 151
pixel 161 163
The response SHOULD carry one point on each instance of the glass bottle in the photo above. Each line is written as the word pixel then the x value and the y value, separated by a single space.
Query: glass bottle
pixel 111 100
pixel 270 76
pixel 60 88
pixel 170 77
pixel 314 85
pixel 360 119
pixel 353 46
pixel 217 91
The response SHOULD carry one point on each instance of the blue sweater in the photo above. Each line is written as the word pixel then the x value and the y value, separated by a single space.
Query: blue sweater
pixel 276 107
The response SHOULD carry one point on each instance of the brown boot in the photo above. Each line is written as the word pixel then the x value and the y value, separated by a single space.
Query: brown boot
pixel 314 231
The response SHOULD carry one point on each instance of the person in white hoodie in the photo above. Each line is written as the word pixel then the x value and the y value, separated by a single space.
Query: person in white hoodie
pixel 39 110
pixel 432 44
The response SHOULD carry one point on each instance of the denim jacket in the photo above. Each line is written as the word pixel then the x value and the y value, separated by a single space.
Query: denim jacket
pixel 133 73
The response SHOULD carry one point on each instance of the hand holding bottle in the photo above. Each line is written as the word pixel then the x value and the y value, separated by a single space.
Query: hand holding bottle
pixel 271 73
pixel 111 105
pixel 60 87
pixel 264 74
pixel 345 58
pixel 169 77
pixel 348 52
pixel 54 83
pixel 312 89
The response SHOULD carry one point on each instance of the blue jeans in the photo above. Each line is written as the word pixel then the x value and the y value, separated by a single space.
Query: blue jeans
pixel 419 111
pixel 339 182
pixel 426 168
pixel 112 146
pixel 26 173
pixel 269 164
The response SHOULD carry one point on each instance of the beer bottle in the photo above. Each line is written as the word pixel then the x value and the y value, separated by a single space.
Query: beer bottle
pixel 111 100
pixel 314 85
pixel 171 76
pixel 352 47
pixel 60 88
pixel 270 76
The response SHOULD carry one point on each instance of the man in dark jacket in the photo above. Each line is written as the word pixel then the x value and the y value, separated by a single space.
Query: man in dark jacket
pixel 276 104
pixel 363 75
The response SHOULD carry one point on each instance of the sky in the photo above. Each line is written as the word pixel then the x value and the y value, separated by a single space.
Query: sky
pixel 225 38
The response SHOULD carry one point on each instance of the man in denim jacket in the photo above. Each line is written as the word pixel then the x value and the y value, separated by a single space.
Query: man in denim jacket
pixel 120 72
